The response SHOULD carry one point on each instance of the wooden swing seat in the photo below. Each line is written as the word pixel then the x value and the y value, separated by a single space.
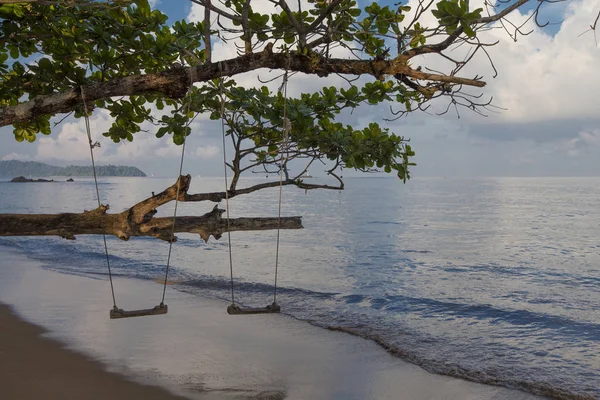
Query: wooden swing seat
pixel 235 309
pixel 117 313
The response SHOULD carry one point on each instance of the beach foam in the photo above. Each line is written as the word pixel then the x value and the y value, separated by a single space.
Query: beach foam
pixel 201 352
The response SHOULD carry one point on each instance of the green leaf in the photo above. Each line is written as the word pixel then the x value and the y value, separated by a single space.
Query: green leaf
pixel 468 30
pixel 289 38
pixel 143 7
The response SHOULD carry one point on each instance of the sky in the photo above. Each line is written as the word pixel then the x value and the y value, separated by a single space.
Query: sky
pixel 547 124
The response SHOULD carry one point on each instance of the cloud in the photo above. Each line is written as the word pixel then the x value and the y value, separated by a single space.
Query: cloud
pixel 70 144
pixel 541 76
pixel 206 152
pixel 586 141
pixel 16 156
pixel 548 83
pixel 170 149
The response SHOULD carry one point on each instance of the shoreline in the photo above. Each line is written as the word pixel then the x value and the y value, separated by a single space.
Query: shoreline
pixel 200 352
pixel 35 367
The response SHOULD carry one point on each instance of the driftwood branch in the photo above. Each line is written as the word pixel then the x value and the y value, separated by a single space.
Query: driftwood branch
pixel 175 82
pixel 138 221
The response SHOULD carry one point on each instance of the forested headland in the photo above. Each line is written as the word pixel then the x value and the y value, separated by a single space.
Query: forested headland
pixel 12 168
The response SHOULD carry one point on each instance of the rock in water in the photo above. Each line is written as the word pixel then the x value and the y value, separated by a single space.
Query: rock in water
pixel 23 179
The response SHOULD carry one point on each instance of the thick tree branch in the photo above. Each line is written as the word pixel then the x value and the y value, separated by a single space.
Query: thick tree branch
pixel 138 221
pixel 97 223
pixel 175 82
pixel 144 210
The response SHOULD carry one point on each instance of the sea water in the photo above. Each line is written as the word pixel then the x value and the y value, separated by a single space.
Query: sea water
pixel 495 280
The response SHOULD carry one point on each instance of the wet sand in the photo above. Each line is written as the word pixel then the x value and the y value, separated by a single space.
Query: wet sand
pixel 33 367
pixel 196 350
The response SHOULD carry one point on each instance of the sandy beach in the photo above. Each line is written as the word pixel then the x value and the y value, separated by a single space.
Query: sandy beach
pixel 32 367
pixel 196 351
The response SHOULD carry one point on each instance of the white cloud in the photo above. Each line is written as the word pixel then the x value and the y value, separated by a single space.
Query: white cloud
pixel 548 83
pixel 16 156
pixel 170 149
pixel 590 137
pixel 584 142
pixel 540 76
pixel 70 144
pixel 206 152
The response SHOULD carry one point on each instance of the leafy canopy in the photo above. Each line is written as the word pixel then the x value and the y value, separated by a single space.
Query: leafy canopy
pixel 48 48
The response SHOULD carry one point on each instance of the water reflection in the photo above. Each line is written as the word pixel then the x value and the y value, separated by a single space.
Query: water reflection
pixel 488 276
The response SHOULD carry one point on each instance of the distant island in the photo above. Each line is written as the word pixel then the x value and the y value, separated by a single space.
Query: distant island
pixel 13 168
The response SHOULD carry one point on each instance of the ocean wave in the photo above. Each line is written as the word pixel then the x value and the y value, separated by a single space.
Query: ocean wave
pixel 354 313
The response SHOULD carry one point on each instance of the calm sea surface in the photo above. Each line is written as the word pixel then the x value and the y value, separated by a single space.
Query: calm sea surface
pixel 495 280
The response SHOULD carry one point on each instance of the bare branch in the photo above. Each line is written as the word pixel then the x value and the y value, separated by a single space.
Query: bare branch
pixel 218 196
pixel 501 14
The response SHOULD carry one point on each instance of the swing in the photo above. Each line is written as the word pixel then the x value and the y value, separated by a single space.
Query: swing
pixel 120 313
pixel 273 308
pixel 234 309
pixel 116 312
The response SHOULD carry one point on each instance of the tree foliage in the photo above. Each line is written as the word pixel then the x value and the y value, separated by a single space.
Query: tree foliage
pixel 124 57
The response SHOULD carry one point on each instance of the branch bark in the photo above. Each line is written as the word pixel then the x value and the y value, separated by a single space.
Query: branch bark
pixel 138 221
pixel 175 82
pixel 218 196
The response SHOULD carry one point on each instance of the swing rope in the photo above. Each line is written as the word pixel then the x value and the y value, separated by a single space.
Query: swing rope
pixel 162 302
pixel 282 164
pixel 222 96
pixel 286 129
pixel 92 145
pixel 192 73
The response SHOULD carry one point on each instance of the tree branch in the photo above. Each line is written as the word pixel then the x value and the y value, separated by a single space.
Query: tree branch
pixel 247 35
pixel 503 13
pixel 207 43
pixel 138 221
pixel 174 83
pixel 218 196
pixel 328 11
pixel 225 14
pixel 144 210
pixel 97 223
pixel 441 46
